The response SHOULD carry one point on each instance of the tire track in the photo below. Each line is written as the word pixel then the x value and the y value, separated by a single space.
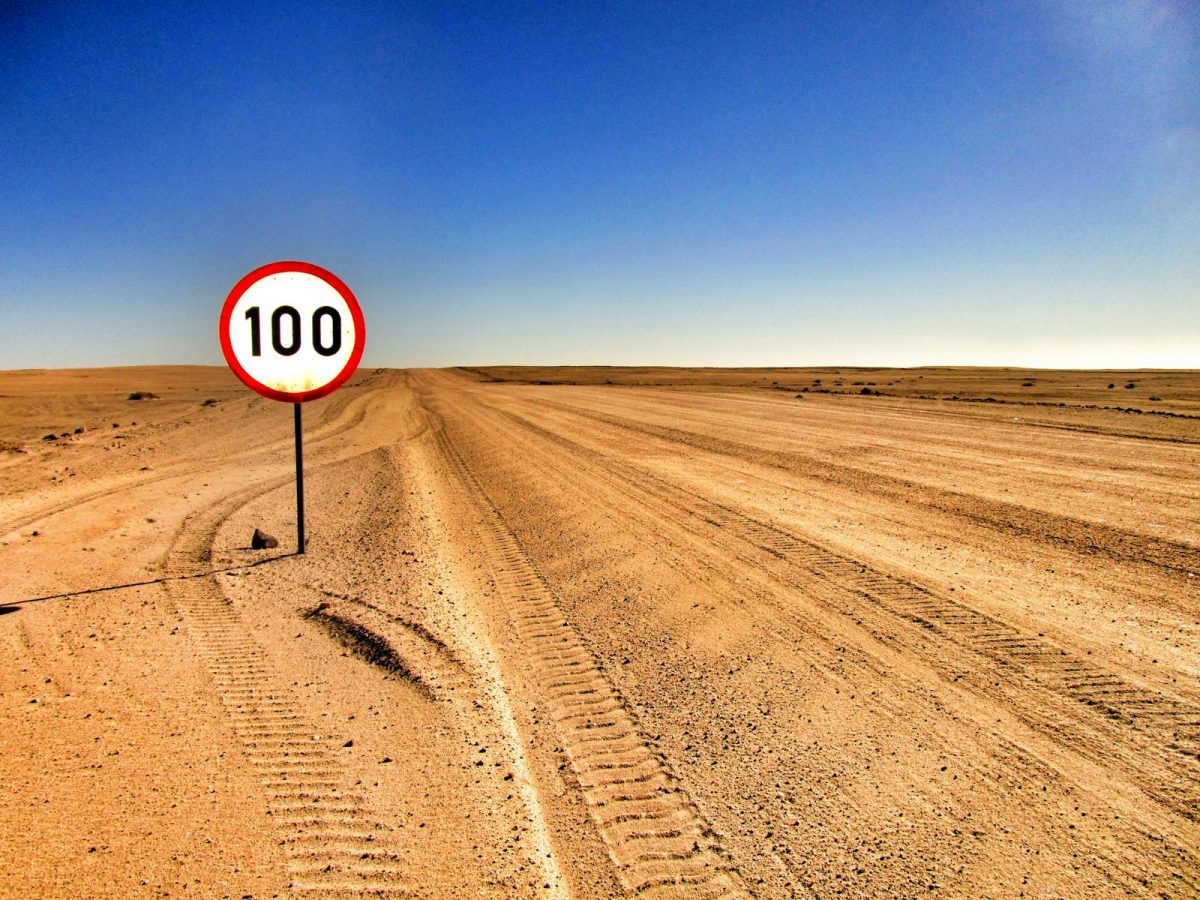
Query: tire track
pixel 656 837
pixel 335 846
pixel 346 416
pixel 1167 728
pixel 1081 537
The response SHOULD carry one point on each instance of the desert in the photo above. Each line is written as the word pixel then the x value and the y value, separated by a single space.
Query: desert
pixel 602 631
pixel 587 451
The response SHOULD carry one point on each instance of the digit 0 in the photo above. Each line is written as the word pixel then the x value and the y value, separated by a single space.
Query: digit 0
pixel 335 326
pixel 277 330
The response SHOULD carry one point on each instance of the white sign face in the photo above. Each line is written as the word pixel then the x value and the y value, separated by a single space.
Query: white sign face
pixel 292 331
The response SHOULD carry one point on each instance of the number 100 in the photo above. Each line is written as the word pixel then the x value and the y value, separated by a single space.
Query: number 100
pixel 254 315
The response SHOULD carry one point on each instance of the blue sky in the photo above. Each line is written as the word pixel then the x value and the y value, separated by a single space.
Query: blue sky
pixel 675 183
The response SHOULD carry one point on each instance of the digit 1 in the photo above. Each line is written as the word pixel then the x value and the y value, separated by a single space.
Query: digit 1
pixel 255 331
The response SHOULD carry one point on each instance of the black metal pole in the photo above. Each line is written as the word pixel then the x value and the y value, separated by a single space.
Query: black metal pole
pixel 299 481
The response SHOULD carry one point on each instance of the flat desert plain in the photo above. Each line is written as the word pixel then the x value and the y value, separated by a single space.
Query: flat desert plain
pixel 600 632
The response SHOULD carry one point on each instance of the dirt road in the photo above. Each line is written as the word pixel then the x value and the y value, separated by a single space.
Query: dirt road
pixel 692 637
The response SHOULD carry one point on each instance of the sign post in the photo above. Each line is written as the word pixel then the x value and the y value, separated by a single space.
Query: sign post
pixel 299 480
pixel 293 332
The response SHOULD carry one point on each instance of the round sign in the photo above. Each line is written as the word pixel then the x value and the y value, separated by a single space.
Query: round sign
pixel 292 331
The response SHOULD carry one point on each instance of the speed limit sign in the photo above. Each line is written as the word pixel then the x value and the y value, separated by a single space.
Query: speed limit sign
pixel 294 332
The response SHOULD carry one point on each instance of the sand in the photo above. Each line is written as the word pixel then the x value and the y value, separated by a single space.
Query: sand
pixel 596 632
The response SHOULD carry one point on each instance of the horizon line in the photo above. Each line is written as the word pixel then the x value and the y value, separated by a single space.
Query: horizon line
pixel 763 368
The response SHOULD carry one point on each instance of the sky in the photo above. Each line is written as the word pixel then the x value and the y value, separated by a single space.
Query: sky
pixel 980 183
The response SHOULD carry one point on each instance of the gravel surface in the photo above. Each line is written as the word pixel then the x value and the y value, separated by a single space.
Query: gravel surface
pixel 597 632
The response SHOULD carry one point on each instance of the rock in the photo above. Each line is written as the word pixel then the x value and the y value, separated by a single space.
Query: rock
pixel 262 541
pixel 50 437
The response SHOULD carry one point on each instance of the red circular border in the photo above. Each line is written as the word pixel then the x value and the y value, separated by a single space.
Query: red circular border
pixel 360 330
